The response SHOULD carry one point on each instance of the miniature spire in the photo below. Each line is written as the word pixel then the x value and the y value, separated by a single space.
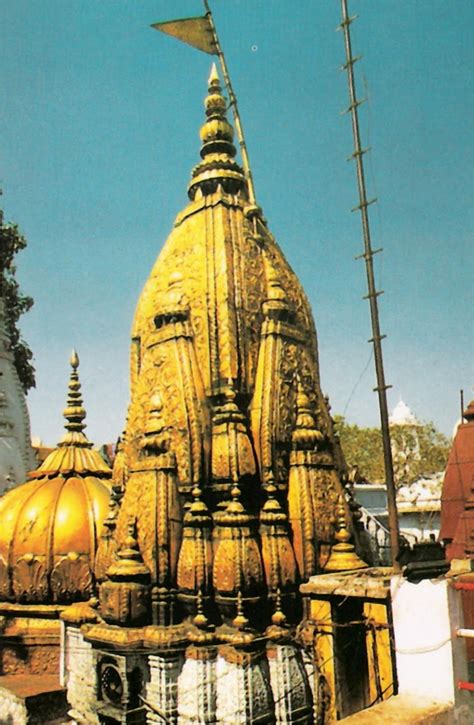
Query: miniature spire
pixel 125 594
pixel 278 616
pixel 194 576
pixel 200 620
pixel 74 453
pixel 343 554
pixel 278 556
pixel 74 412
pixel 240 621
pixel 305 436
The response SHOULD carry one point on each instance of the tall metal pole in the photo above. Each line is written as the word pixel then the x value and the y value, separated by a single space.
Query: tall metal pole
pixel 235 108
pixel 372 294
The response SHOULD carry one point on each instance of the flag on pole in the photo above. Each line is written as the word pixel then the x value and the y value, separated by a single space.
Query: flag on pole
pixel 193 31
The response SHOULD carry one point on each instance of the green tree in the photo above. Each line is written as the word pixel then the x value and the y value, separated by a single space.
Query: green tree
pixel 16 303
pixel 418 450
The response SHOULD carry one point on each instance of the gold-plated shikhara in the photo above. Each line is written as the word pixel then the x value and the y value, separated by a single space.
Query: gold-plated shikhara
pixel 51 525
pixel 233 473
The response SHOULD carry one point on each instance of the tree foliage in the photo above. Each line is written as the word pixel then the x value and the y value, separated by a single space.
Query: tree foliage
pixel 16 303
pixel 417 450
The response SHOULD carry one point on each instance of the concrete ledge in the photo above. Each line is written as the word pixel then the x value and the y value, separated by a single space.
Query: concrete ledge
pixel 31 699
pixel 406 710
pixel 371 583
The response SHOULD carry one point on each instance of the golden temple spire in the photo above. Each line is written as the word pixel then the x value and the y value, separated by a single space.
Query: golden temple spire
pixel 218 166
pixel 74 453
pixel 74 412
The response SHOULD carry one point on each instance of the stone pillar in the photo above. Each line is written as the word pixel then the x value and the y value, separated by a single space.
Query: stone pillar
pixel 81 677
pixel 197 687
pixel 162 689
pixel 244 695
pixel 290 686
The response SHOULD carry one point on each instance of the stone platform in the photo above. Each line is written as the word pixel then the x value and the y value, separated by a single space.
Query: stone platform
pixel 32 700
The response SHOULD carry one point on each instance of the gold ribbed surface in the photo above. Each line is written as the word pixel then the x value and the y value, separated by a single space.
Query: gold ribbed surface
pixel 51 525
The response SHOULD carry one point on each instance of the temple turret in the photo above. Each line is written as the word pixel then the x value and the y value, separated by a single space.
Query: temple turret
pixel 51 524
pixel 229 462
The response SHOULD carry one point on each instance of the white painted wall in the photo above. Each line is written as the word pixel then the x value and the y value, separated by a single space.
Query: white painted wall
pixel 430 658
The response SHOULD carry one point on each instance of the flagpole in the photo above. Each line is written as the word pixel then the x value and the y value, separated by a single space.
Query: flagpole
pixel 372 294
pixel 233 103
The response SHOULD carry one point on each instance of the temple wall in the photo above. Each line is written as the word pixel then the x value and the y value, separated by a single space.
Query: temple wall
pixel 29 646
pixel 81 677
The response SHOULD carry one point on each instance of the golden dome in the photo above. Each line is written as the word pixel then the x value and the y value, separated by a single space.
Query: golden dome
pixel 50 526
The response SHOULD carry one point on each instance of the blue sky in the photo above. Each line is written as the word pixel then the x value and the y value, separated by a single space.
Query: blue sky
pixel 99 126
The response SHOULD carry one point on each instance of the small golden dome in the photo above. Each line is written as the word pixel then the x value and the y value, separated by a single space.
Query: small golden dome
pixel 50 526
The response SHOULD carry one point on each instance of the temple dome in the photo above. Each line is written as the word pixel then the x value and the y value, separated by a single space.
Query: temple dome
pixel 402 415
pixel 51 525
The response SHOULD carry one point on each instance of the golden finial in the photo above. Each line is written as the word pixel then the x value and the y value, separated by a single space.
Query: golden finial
pixel 200 620
pixel 74 412
pixel 213 76
pixel 74 359
pixel 218 166
pixel 343 554
pixel 278 616
pixel 240 621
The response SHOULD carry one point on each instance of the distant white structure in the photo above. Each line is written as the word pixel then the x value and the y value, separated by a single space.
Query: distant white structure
pixel 402 415
pixel 16 454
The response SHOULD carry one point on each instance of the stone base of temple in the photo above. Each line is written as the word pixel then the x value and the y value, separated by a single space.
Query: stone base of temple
pixel 79 661
pixel 186 682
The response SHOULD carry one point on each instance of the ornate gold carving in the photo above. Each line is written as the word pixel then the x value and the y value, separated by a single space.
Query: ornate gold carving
pixel 110 634
pixel 152 497
pixel 238 568
pixel 233 457
pixel 30 582
pixel 195 558
pixel 82 612
pixel 58 512
pixel 5 581
pixel 222 333
pixel 277 552
pixel 71 578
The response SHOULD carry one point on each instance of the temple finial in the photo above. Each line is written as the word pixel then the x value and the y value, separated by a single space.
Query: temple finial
pixel 218 167
pixel 213 76
pixel 74 412
pixel 74 359
pixel 343 554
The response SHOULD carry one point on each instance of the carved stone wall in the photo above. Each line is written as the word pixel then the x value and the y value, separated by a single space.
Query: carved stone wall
pixel 29 646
